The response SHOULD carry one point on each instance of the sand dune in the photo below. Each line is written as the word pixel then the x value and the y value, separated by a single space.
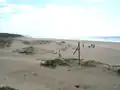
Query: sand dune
pixel 23 71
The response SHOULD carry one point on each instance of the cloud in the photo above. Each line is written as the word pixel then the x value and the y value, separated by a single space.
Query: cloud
pixel 60 22
pixel 95 0
pixel 2 1
pixel 5 9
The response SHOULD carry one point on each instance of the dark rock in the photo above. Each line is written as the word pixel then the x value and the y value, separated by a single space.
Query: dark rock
pixel 77 86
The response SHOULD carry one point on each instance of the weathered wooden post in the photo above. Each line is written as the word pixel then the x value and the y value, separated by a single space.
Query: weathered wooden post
pixel 79 53
pixel 78 49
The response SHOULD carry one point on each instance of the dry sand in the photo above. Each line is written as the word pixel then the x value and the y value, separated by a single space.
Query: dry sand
pixel 25 73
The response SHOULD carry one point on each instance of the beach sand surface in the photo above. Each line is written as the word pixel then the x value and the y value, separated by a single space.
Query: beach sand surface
pixel 24 72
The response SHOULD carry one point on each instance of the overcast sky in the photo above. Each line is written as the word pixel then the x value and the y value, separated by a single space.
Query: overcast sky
pixel 60 18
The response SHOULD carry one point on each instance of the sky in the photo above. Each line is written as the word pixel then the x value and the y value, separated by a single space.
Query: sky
pixel 60 18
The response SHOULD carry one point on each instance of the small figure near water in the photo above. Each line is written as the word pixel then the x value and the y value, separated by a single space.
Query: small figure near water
pixel 59 54
pixel 82 45
pixel 91 46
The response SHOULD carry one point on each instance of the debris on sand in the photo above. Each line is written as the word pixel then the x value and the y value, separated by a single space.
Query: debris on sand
pixel 86 87
pixel 44 42
pixel 3 87
pixel 64 48
pixel 77 86
pixel 54 52
pixel 91 63
pixel 4 78
pixel 118 71
pixel 114 68
pixel 73 48
pixel 5 43
pixel 26 50
pixel 49 63
pixel 62 42
pixel 34 73
pixel 55 62
pixel 25 75
pixel 69 62
pixel 88 46
pixel 26 42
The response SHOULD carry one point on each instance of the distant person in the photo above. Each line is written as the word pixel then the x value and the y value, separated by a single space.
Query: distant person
pixel 93 45
pixel 60 54
pixel 82 45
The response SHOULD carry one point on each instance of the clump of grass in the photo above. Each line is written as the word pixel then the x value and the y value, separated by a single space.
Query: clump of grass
pixel 49 63
pixel 118 71
pixel 26 50
pixel 91 63
pixel 7 88
pixel 57 62
pixel 53 63
pixel 68 62
pixel 26 42
pixel 62 42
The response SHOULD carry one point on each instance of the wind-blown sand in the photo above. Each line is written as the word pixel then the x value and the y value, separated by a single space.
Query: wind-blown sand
pixel 25 73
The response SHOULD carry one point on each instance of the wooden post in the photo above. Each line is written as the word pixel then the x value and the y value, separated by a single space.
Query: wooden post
pixel 79 53
pixel 78 49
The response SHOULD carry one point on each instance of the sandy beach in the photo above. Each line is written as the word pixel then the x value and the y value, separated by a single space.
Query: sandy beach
pixel 23 71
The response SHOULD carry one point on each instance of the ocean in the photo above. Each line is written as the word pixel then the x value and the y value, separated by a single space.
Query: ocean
pixel 105 39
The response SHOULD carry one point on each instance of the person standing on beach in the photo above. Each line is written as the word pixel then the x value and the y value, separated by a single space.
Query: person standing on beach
pixel 59 54
pixel 82 45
